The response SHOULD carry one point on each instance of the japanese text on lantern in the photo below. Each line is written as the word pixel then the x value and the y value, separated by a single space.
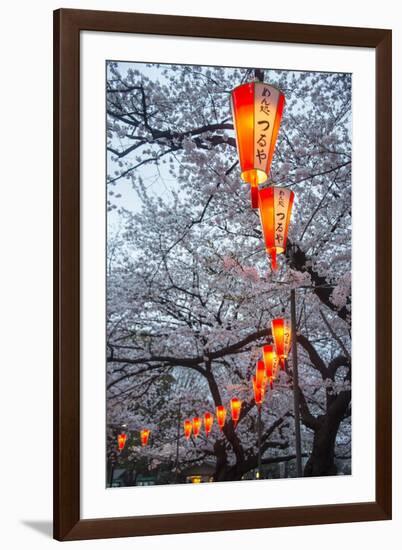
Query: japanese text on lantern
pixel 281 201
pixel 264 116
pixel 286 335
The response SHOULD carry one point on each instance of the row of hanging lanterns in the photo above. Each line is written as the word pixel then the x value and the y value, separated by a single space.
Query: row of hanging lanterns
pixel 193 427
pixel 122 439
pixel 273 358
pixel 257 110
pixel 265 374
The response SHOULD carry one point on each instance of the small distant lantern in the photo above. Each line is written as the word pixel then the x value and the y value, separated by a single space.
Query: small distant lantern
pixel 257 112
pixel 259 392
pixel 188 428
pixel 275 204
pixel 220 416
pixel 281 332
pixel 208 421
pixel 235 406
pixel 144 436
pixel 121 441
pixel 260 373
pixel 196 426
pixel 270 364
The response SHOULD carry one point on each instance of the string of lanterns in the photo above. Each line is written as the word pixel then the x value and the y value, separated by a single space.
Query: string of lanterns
pixel 122 439
pixel 193 427
pixel 274 357
pixel 257 110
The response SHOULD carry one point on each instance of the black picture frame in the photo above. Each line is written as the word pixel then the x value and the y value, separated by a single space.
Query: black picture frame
pixel 67 27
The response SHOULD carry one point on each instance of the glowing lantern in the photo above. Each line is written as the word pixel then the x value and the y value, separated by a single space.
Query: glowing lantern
pixel 260 374
pixel 281 332
pixel 257 112
pixel 196 426
pixel 121 441
pixel 208 421
pixel 275 204
pixel 188 428
pixel 259 392
pixel 144 436
pixel 270 363
pixel 235 406
pixel 220 416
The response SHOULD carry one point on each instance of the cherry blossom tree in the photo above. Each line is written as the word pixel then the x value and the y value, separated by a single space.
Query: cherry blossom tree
pixel 190 294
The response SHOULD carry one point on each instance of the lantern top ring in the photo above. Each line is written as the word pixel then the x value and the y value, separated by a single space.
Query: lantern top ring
pixel 253 81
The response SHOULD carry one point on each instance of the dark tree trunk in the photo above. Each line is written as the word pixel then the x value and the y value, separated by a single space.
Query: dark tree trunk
pixel 221 460
pixel 228 473
pixel 223 470
pixel 322 459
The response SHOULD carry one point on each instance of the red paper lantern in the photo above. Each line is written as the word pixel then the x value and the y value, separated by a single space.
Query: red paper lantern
pixel 281 332
pixel 208 421
pixel 188 428
pixel 275 204
pixel 196 426
pixel 144 436
pixel 235 406
pixel 260 374
pixel 220 416
pixel 259 392
pixel 121 441
pixel 257 112
pixel 270 363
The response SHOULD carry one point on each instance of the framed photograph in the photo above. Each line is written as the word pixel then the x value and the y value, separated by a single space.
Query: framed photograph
pixel 222 245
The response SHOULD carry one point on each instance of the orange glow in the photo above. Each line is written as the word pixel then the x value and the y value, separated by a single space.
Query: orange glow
pixel 257 110
pixel 277 124
pixel 144 436
pixel 259 391
pixel 220 416
pixel 254 195
pixel 270 363
pixel 235 406
pixel 275 206
pixel 196 479
pixel 188 428
pixel 121 441
pixel 196 426
pixel 260 373
pixel 281 333
pixel 208 421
